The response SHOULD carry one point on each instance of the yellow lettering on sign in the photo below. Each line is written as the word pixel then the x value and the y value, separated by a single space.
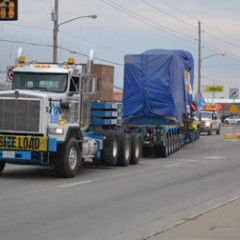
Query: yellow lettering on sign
pixel 24 143
pixel 214 88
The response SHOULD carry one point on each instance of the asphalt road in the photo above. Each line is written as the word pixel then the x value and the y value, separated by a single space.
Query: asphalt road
pixel 105 203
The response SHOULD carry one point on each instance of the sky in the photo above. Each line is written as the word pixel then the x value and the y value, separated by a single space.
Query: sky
pixel 130 27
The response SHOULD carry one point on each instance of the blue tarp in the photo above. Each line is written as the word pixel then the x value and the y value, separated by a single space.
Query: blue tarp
pixel 154 83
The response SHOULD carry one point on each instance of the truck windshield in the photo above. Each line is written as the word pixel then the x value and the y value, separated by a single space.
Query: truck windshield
pixel 40 81
pixel 206 115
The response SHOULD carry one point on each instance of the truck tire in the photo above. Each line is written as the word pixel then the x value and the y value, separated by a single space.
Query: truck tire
pixel 218 131
pixel 170 145
pixel 161 151
pixel 2 166
pixel 69 159
pixel 136 148
pixel 110 150
pixel 124 146
pixel 175 142
pixel 178 142
pixel 210 131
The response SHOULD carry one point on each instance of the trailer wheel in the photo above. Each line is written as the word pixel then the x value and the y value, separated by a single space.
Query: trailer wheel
pixel 178 142
pixel 136 148
pixel 110 148
pixel 68 159
pixel 170 145
pixel 2 166
pixel 124 147
pixel 174 142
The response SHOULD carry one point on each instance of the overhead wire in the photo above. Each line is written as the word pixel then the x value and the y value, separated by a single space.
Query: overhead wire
pixel 59 47
pixel 167 13
pixel 210 34
pixel 90 41
pixel 217 80
pixel 148 21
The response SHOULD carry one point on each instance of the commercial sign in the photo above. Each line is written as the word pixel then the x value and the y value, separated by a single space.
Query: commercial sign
pixel 214 88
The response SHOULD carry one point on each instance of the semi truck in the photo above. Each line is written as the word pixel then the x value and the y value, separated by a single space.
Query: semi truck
pixel 51 116
pixel 46 119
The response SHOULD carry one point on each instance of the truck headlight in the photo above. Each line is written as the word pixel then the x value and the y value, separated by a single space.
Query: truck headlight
pixel 207 123
pixel 56 131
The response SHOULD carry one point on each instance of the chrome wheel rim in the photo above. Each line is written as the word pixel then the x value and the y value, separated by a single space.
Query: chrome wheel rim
pixel 115 147
pixel 73 158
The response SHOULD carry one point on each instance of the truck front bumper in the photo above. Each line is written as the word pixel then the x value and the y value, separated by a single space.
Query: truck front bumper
pixel 21 150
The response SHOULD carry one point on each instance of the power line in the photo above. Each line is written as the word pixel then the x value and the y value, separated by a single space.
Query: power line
pixel 220 39
pixel 147 21
pixel 176 9
pixel 89 41
pixel 186 23
pixel 168 14
pixel 27 26
pixel 62 48
pixel 223 33
pixel 50 5
pixel 217 80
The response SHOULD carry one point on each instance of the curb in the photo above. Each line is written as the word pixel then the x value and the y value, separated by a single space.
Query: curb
pixel 232 136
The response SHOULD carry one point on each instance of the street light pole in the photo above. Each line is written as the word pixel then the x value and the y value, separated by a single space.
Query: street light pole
pixel 56 28
pixel 55 31
pixel 199 60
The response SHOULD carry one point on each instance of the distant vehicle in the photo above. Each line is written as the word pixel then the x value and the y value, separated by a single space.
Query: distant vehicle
pixel 210 122
pixel 232 120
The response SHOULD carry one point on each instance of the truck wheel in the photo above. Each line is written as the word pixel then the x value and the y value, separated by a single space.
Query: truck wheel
pixel 68 159
pixel 218 131
pixel 210 131
pixel 160 150
pixel 175 145
pixel 136 148
pixel 124 147
pixel 178 142
pixel 110 148
pixel 2 166
pixel 170 145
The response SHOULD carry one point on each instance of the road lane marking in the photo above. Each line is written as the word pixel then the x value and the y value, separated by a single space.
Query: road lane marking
pixel 75 184
pixel 172 165
pixel 215 157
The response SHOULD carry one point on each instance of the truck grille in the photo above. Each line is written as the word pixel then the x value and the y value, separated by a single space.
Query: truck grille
pixel 19 115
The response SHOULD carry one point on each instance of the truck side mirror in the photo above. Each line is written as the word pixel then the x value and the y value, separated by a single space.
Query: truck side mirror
pixel 65 105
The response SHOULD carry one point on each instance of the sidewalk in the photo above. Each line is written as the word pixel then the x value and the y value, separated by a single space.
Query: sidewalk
pixel 222 223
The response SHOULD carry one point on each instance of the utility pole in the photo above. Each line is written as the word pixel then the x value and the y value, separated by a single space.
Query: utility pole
pixel 55 31
pixel 199 60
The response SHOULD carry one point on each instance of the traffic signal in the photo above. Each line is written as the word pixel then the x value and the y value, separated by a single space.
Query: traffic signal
pixel 8 10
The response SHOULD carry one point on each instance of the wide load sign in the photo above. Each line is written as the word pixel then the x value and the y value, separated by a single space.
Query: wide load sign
pixel 23 143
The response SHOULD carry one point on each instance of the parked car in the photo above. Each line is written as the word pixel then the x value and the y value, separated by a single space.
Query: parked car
pixel 232 120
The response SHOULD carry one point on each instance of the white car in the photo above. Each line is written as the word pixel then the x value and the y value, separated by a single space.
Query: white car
pixel 232 120
pixel 210 122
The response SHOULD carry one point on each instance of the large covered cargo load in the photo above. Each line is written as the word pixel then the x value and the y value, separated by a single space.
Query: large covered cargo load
pixel 158 83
